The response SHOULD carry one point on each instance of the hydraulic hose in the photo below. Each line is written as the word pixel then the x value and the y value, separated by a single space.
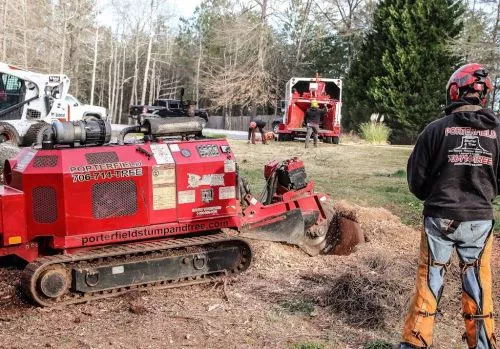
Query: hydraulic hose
pixel 127 130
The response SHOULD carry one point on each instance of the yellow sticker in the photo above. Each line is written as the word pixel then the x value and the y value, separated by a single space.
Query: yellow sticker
pixel 164 198
pixel 163 175
pixel 164 190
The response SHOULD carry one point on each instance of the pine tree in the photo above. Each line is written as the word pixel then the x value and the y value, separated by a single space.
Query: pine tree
pixel 358 106
pixel 405 62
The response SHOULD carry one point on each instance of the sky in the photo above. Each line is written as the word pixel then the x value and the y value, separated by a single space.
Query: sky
pixel 182 8
pixel 185 7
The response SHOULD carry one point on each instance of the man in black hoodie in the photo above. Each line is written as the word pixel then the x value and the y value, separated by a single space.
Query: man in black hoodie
pixel 454 169
pixel 313 118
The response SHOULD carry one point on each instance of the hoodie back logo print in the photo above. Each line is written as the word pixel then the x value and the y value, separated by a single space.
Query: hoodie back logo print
pixel 470 152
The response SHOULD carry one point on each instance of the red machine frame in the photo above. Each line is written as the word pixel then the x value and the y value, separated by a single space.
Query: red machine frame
pixel 48 205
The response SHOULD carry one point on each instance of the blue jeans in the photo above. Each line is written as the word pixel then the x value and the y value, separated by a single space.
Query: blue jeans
pixel 469 239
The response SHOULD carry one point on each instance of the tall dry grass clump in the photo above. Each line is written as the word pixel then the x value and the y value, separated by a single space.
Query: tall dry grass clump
pixel 375 132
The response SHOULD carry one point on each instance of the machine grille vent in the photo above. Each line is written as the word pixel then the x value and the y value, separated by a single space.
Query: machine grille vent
pixel 45 161
pixel 44 205
pixel 33 114
pixel 105 157
pixel 114 199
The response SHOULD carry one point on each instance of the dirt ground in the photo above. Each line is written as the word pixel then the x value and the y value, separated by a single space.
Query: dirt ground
pixel 285 300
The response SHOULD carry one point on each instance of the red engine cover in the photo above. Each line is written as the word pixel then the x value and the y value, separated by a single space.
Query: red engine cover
pixel 293 164
pixel 80 197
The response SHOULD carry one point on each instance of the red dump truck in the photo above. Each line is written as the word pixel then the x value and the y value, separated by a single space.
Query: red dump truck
pixel 299 94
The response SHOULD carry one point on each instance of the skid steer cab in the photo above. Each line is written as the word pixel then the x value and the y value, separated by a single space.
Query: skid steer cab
pixel 95 219
pixel 30 102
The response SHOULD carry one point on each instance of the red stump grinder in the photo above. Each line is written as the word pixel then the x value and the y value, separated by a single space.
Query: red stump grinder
pixel 95 219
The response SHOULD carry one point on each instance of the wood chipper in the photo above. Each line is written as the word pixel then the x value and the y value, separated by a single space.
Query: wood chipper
pixel 299 94
pixel 95 219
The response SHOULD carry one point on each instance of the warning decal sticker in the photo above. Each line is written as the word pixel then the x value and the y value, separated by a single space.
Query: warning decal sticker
pixel 213 180
pixel 229 166
pixel 164 191
pixel 202 211
pixel 227 193
pixel 162 154
pixel 174 147
pixel 186 196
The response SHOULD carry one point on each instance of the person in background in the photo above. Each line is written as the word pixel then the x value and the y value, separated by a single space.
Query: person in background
pixel 254 124
pixel 454 169
pixel 313 118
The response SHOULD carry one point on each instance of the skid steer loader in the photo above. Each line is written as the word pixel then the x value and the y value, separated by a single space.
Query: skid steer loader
pixel 30 102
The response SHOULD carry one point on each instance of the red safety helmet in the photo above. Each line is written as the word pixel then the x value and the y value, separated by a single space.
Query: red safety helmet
pixel 253 124
pixel 472 77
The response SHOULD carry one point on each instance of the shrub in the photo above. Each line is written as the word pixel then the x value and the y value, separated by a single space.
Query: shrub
pixel 374 133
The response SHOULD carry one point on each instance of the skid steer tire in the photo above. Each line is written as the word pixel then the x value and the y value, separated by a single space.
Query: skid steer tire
pixel 34 135
pixel 91 117
pixel 328 140
pixel 8 133
pixel 336 140
pixel 8 150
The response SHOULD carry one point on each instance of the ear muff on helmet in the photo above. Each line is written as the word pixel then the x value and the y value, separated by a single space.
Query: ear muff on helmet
pixel 482 89
pixel 478 86
pixel 454 92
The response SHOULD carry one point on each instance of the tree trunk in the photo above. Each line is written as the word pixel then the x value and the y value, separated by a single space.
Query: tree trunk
pixel 101 90
pixel 63 49
pixel 158 88
pixel 122 86
pixel 298 54
pixel 4 45
pixel 198 66
pixel 115 82
pixel 94 66
pixel 110 72
pixel 25 34
pixel 494 93
pixel 133 93
pixel 146 71
pixel 152 83
pixel 74 50
pixel 261 40
pixel 496 57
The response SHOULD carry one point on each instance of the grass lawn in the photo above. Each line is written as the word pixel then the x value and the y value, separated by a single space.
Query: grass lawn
pixel 366 175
